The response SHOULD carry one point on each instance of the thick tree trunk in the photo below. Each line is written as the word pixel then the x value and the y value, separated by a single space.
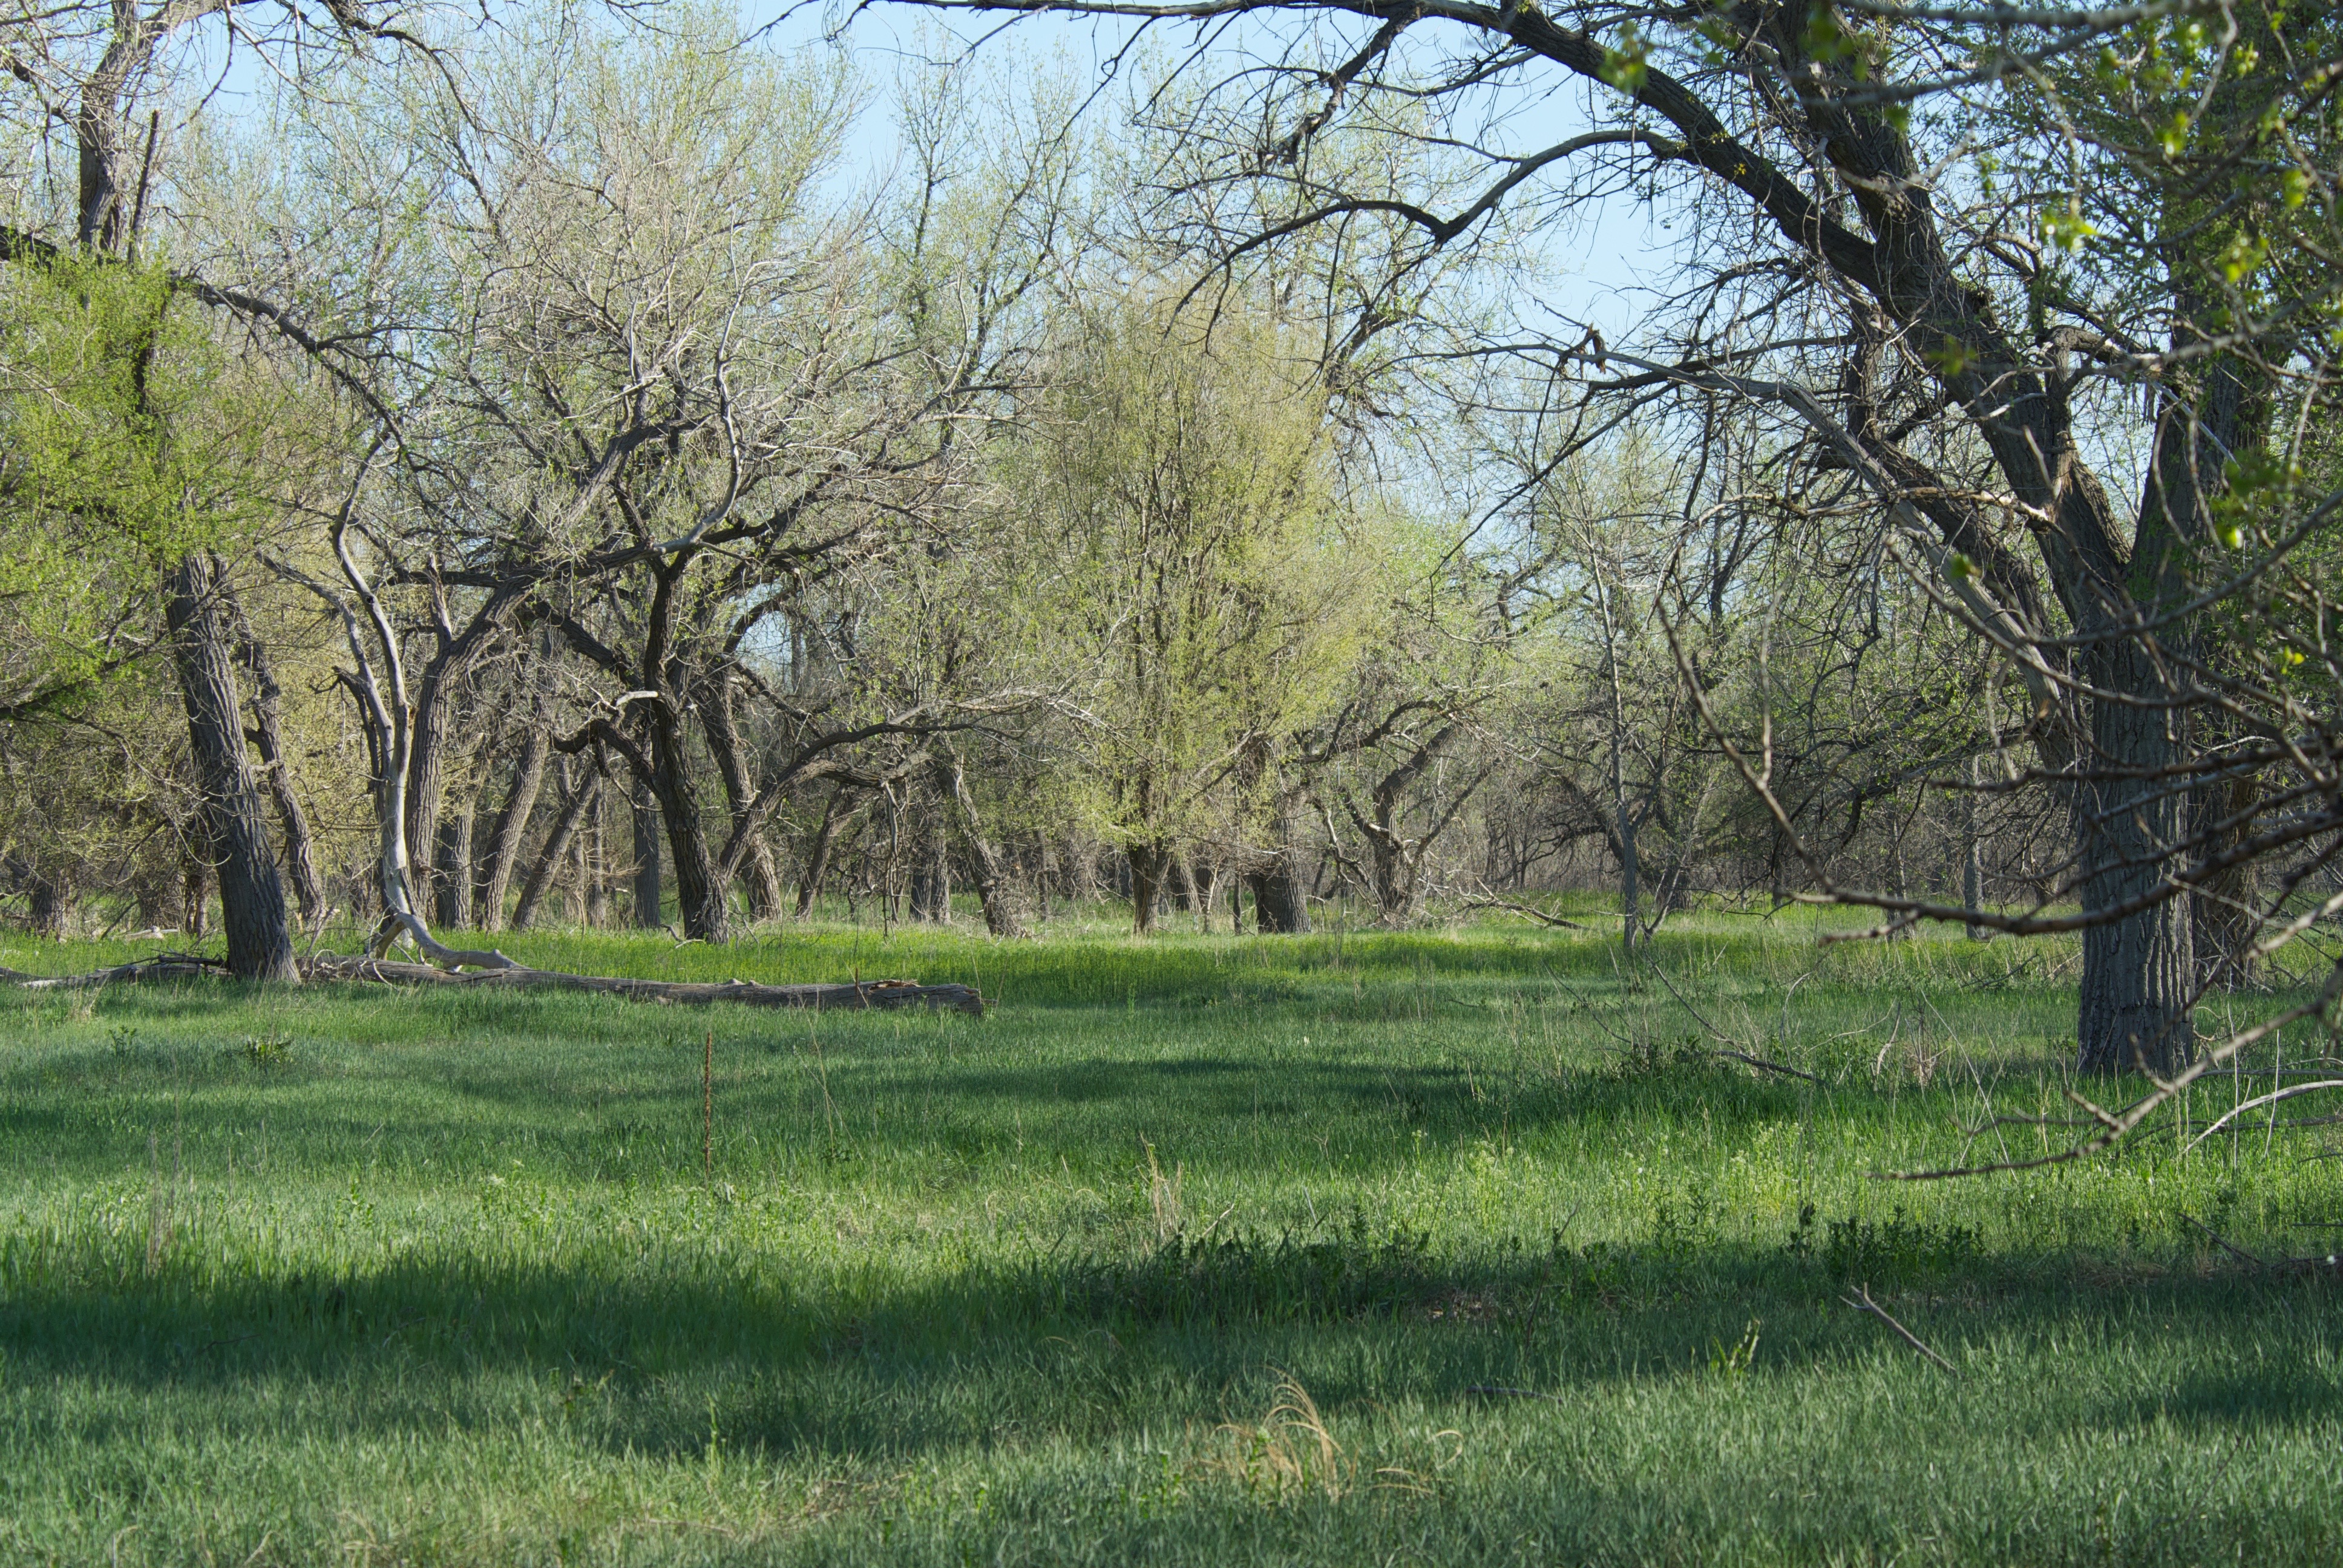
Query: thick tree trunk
pixel 763 876
pixel 511 829
pixel 2222 911
pixel 2139 969
pixel 649 893
pixel 452 867
pixel 994 890
pixel 1146 864
pixel 580 799
pixel 1279 906
pixel 49 899
pixel 277 767
pixel 252 899
pixel 701 893
pixel 1280 903
pixel 1179 886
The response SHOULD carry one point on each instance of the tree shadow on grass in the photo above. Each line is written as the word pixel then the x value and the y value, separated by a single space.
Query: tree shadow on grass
pixel 647 1354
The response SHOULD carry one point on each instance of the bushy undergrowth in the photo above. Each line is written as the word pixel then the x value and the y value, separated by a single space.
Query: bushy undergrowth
pixel 1460 1248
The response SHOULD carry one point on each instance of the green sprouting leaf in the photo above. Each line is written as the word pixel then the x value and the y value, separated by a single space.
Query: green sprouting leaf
pixel 1959 567
pixel 2295 187
pixel 2243 256
pixel 1625 63
pixel 2065 228
pixel 2258 469
pixel 1952 358
pixel 1827 40
pixel 2175 134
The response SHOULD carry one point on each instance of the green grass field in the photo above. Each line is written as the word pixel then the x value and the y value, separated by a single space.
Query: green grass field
pixel 1446 1248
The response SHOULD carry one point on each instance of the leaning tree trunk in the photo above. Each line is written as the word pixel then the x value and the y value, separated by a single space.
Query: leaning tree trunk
pixel 511 827
pixel 763 876
pixel 994 890
pixel 268 739
pixel 427 722
pixel 252 899
pixel 581 798
pixel 818 853
pixel 2138 969
pixel 427 766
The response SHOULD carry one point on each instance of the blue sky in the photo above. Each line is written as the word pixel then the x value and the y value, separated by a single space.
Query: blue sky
pixel 1597 262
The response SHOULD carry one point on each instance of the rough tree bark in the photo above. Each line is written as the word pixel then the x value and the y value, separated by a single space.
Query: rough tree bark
pixel 267 737
pixel 761 877
pixel 818 852
pixel 49 903
pixel 510 829
pixel 252 897
pixel 2138 971
pixel 994 889
pixel 1146 863
pixel 576 802
pixel 452 866
pixel 649 893
pixel 1280 906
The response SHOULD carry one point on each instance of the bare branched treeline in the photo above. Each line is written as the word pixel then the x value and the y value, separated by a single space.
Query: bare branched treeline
pixel 591 485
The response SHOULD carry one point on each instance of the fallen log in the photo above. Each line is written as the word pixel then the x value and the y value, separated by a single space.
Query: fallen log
pixel 855 994
pixel 164 967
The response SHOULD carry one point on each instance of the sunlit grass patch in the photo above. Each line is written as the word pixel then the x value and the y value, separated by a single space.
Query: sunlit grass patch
pixel 1204 1250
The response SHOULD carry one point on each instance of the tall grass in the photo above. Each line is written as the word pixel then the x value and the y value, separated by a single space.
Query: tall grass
pixel 1458 1246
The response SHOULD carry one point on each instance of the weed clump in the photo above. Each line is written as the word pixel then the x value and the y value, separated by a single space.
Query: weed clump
pixel 1900 1247
pixel 264 1049
pixel 1245 1276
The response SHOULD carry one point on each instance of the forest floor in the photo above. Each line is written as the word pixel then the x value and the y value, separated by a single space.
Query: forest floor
pixel 1454 1247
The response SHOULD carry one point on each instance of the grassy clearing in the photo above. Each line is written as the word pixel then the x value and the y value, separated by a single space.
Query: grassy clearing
pixel 1198 1250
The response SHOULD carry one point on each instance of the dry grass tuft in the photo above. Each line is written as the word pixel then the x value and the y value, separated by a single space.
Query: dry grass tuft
pixel 1291 1452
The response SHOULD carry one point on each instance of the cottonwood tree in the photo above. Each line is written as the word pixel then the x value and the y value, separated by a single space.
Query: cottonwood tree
pixel 78 75
pixel 1398 763
pixel 1858 264
pixel 1189 558
pixel 659 410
